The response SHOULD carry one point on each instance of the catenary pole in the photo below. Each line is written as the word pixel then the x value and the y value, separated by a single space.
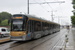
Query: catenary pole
pixel 28 6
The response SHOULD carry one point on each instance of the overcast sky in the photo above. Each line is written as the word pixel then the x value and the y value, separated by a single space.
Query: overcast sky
pixel 61 10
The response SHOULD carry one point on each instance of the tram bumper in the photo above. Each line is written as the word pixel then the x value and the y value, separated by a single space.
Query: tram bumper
pixel 17 38
pixel 18 35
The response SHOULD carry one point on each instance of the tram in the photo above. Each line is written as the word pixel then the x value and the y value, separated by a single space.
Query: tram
pixel 26 27
pixel 68 27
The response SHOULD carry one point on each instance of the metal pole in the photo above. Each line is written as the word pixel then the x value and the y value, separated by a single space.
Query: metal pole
pixel 28 7
pixel 58 19
pixel 52 16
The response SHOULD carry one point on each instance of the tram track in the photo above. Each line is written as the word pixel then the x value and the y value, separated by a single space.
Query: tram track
pixel 15 43
pixel 14 46
pixel 61 41
pixel 5 43
pixel 41 43
pixel 32 47
pixel 20 43
pixel 45 41
pixel 56 45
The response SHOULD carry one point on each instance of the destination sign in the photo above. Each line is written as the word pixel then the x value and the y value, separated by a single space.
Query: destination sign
pixel 17 17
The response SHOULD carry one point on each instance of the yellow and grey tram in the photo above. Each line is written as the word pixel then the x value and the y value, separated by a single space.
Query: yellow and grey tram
pixel 26 27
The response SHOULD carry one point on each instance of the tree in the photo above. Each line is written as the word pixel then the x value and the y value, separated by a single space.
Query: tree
pixel 73 20
pixel 4 22
pixel 74 6
pixel 4 17
pixel 73 17
pixel 73 1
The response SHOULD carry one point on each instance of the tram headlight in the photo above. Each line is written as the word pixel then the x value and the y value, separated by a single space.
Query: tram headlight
pixel 24 33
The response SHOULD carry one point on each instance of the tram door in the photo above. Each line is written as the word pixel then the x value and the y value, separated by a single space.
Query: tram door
pixel 29 29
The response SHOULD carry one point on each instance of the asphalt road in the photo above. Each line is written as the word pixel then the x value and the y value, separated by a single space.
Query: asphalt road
pixel 55 41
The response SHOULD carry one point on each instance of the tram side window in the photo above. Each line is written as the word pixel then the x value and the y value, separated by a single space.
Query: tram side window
pixel 29 25
pixel 50 26
pixel 56 26
pixel 37 26
pixel 32 27
pixel 43 26
pixel 53 26
pixel 59 26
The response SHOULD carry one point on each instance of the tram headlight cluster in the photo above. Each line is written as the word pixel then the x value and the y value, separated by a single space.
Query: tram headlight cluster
pixel 24 33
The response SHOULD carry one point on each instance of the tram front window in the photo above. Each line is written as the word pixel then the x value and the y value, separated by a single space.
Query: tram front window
pixel 18 25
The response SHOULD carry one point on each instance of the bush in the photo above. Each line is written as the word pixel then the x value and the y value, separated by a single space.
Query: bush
pixel 5 23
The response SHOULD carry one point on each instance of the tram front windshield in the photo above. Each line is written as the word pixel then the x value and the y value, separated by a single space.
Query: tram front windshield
pixel 18 25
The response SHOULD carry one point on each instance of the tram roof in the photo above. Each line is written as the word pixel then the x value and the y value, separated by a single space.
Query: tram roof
pixel 33 16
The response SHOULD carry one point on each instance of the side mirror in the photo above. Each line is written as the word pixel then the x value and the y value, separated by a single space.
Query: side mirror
pixel 8 22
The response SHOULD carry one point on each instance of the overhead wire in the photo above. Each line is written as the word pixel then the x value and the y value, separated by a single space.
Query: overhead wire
pixel 42 6
pixel 61 9
pixel 49 5
pixel 52 8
